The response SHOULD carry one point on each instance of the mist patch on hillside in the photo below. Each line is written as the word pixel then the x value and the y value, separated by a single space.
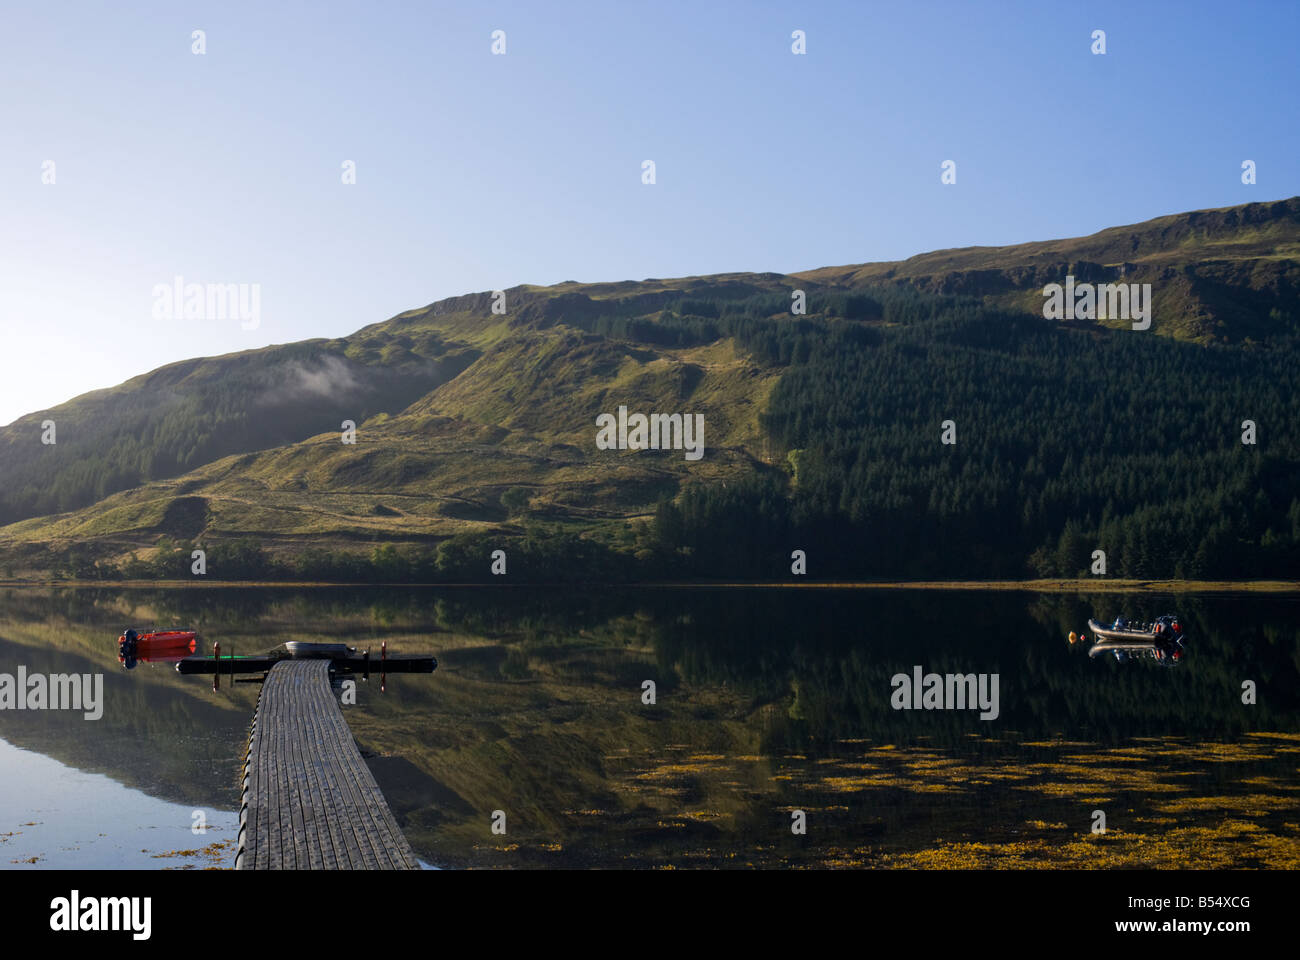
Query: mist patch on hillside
pixel 330 378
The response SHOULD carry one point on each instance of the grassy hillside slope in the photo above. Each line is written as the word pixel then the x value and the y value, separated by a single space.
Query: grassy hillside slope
pixel 473 424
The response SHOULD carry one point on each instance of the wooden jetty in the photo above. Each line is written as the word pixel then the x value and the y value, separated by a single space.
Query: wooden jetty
pixel 309 800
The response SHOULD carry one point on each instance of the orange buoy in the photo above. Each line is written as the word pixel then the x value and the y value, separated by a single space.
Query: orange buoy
pixel 1073 638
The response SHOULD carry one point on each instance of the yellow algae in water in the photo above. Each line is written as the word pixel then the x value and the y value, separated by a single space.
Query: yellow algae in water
pixel 1251 804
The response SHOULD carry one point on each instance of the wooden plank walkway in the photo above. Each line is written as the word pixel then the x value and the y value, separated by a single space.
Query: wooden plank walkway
pixel 310 801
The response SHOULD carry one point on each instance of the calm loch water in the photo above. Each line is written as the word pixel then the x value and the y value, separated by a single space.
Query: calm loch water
pixel 772 710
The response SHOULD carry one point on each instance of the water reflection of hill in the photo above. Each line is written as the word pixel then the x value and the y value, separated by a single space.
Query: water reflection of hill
pixel 174 740
pixel 767 701
pixel 834 653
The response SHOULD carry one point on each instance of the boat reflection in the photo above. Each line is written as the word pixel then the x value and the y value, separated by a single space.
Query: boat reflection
pixel 1162 640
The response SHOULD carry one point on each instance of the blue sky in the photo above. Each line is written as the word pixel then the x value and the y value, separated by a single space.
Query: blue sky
pixel 477 172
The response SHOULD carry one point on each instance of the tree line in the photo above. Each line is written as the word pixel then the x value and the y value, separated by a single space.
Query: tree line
pixel 1066 442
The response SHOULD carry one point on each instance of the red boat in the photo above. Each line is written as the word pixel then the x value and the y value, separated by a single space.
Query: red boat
pixel 167 646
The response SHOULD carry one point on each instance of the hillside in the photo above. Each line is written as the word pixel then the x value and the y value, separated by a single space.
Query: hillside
pixel 1216 274
pixel 477 429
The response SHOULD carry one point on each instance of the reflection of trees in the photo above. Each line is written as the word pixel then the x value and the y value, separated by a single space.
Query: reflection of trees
pixel 844 647
pixel 157 733
pixel 837 648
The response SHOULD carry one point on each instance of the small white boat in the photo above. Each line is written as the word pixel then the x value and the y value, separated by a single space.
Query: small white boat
pixel 1163 638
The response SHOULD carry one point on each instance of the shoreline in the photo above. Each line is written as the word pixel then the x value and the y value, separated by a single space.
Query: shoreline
pixel 1276 587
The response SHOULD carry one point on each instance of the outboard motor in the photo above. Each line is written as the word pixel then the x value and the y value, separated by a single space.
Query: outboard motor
pixel 127 648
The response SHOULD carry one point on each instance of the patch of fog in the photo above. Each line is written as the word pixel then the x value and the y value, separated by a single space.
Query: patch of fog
pixel 297 380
